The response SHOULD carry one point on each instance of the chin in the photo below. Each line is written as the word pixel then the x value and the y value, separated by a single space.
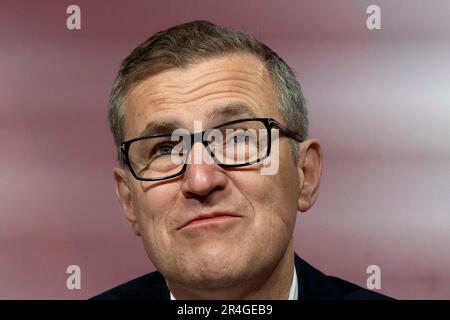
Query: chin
pixel 213 279
pixel 213 271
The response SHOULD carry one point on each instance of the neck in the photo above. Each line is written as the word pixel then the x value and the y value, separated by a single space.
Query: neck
pixel 275 285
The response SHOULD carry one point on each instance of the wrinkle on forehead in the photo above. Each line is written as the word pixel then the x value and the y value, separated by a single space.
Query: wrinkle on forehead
pixel 209 73
pixel 240 76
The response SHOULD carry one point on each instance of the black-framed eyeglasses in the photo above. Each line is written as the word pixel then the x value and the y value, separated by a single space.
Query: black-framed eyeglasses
pixel 232 144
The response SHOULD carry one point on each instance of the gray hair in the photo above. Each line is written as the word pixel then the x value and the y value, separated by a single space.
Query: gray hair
pixel 190 43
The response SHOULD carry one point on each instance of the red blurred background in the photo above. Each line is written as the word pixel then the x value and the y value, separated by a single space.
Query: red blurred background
pixel 379 101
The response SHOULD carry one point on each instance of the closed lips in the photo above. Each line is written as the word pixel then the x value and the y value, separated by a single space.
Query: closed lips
pixel 209 216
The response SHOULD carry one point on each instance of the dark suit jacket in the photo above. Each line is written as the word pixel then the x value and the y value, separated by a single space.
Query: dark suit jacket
pixel 312 284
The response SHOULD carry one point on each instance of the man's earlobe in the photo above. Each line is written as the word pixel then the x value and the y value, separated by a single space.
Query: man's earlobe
pixel 124 197
pixel 310 167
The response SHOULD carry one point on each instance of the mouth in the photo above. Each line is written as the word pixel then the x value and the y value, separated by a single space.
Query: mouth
pixel 206 219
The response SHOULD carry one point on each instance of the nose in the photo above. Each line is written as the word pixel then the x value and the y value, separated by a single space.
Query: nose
pixel 202 175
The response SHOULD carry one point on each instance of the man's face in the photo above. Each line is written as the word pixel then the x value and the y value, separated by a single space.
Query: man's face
pixel 260 209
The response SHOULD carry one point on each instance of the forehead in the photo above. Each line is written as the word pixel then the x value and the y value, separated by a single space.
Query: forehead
pixel 199 92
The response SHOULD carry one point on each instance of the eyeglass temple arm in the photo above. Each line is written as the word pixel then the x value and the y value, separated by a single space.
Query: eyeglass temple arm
pixel 286 130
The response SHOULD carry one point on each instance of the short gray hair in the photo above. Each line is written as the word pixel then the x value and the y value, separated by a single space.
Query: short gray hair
pixel 190 43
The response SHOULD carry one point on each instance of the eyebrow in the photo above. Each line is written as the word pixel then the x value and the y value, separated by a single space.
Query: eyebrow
pixel 161 127
pixel 228 111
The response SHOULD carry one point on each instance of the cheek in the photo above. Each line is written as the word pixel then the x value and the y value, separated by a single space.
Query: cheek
pixel 153 207
pixel 273 197
pixel 274 206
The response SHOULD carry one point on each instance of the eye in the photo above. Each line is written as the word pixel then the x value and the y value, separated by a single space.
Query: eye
pixel 163 149
pixel 240 137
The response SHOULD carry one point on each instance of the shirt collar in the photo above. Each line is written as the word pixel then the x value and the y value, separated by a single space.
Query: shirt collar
pixel 293 293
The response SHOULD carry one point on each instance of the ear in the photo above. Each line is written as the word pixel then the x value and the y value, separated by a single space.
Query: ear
pixel 310 170
pixel 123 194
